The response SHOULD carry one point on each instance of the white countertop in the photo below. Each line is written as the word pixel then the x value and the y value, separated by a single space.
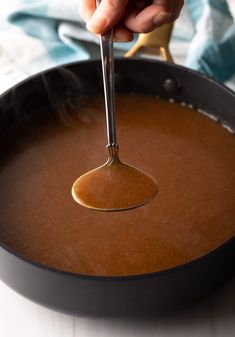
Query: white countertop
pixel 212 317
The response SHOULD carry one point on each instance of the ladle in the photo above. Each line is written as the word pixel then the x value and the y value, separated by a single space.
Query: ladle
pixel 114 186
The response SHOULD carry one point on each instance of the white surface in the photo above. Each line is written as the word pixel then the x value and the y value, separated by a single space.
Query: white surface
pixel 212 317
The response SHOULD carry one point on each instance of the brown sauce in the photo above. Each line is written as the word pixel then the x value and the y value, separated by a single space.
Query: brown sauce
pixel 114 186
pixel 191 157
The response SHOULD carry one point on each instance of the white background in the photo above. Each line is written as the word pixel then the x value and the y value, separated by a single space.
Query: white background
pixel 212 317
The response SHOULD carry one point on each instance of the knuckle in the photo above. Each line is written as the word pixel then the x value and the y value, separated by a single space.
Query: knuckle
pixel 113 3
pixel 110 3
pixel 84 12
pixel 143 29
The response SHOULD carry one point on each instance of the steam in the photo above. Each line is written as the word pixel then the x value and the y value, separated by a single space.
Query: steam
pixel 68 97
pixel 64 90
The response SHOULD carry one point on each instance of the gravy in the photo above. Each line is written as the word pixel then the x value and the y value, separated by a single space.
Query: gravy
pixel 115 186
pixel 191 157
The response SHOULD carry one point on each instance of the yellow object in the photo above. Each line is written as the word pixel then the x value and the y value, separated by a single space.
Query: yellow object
pixel 154 43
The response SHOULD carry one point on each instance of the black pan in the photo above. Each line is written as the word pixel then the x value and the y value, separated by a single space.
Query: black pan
pixel 116 296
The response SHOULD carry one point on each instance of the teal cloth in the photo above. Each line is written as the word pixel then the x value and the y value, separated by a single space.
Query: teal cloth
pixel 58 27
pixel 212 50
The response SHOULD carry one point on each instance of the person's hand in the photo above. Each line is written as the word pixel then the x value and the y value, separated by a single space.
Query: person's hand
pixel 128 16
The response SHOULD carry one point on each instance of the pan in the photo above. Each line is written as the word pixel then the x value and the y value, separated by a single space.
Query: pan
pixel 116 296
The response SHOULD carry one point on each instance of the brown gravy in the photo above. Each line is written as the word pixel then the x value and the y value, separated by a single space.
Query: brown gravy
pixel 115 186
pixel 191 157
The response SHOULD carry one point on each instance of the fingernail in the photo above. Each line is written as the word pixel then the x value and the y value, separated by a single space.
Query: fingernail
pixel 161 18
pixel 120 36
pixel 97 23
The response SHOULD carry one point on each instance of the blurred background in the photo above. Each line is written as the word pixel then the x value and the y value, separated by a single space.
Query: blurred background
pixel 39 34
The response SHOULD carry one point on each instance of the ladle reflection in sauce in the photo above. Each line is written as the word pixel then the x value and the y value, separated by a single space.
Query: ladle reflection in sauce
pixel 114 186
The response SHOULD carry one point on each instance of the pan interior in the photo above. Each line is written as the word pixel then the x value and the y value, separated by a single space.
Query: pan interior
pixel 191 156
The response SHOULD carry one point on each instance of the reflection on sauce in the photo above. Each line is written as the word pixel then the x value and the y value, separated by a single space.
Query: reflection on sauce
pixel 192 157
pixel 114 186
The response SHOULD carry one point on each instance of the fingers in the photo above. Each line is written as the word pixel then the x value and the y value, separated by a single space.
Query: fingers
pixel 140 16
pixel 147 19
pixel 86 9
pixel 144 20
pixel 106 15
pixel 122 34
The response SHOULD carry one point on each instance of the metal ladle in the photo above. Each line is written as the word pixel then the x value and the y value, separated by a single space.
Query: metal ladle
pixel 114 186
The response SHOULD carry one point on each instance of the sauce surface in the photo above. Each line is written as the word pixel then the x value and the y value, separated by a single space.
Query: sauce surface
pixel 114 186
pixel 191 157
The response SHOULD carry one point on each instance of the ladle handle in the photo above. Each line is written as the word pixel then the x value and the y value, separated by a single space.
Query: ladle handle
pixel 106 47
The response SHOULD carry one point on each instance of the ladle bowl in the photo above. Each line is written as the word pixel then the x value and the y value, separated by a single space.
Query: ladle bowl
pixel 114 186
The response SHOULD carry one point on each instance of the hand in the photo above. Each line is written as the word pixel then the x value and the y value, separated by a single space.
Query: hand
pixel 128 16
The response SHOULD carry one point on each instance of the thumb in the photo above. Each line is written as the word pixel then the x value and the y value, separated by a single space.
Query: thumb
pixel 106 15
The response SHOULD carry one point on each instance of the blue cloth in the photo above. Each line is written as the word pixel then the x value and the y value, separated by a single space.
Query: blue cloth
pixel 212 50
pixel 39 34
pixel 49 21
pixel 57 24
pixel 53 33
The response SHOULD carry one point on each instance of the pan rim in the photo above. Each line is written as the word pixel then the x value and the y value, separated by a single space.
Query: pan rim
pixel 138 277
pixel 120 278
pixel 119 59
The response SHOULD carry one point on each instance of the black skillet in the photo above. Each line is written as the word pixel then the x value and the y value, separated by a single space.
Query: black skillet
pixel 116 296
